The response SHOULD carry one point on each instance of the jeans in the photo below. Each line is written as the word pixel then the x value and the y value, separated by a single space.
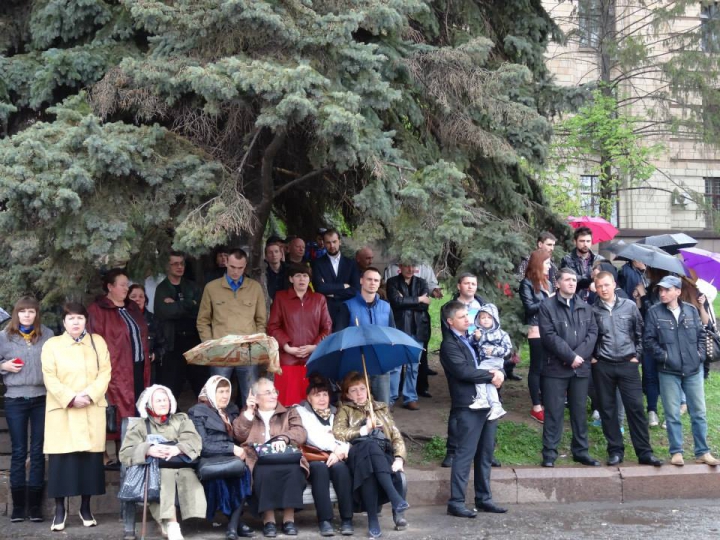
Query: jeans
pixel 650 384
pixel 18 413
pixel 671 388
pixel 409 384
pixel 380 387
pixel 246 376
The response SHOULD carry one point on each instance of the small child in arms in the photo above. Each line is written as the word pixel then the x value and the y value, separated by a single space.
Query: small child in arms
pixel 493 345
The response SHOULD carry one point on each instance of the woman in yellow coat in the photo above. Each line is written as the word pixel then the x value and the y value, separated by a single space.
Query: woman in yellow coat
pixel 76 370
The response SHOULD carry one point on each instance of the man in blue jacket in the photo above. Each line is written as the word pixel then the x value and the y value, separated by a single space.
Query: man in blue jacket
pixel 675 337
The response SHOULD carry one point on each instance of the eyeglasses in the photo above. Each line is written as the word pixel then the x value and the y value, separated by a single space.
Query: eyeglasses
pixel 272 392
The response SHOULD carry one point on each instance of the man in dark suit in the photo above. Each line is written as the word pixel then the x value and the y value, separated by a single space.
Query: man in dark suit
pixel 476 434
pixel 334 276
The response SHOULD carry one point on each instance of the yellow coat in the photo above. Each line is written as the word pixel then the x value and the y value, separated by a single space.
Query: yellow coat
pixel 70 368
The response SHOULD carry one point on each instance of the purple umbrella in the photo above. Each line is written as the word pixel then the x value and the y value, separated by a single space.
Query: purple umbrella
pixel 706 264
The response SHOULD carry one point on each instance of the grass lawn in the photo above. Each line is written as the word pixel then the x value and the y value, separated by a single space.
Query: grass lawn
pixel 519 442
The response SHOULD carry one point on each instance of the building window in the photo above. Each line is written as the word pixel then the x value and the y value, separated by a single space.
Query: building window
pixel 589 24
pixel 590 198
pixel 710 27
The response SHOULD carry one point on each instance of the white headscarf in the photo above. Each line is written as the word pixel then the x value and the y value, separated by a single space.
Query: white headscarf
pixel 145 400
pixel 209 391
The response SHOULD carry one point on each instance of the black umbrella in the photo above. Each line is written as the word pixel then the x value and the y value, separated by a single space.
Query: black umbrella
pixel 616 247
pixel 671 243
pixel 653 257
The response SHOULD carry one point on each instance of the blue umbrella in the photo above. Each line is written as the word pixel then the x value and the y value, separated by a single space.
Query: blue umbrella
pixel 369 348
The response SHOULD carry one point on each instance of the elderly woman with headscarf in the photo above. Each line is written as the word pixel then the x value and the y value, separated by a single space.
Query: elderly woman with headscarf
pixel 168 436
pixel 213 417
pixel 275 485
pixel 326 457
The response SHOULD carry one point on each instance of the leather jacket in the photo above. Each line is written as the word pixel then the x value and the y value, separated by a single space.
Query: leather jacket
pixel 572 260
pixel 567 333
pixel 678 347
pixel 411 316
pixel 620 331
pixel 531 300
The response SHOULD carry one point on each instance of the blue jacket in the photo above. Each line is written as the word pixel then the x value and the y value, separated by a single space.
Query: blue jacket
pixel 678 347
pixel 378 312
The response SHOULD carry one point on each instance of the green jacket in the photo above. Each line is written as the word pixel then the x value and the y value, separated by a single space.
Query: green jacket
pixel 168 313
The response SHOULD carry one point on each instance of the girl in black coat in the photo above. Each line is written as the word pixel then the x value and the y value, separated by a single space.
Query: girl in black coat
pixel 213 417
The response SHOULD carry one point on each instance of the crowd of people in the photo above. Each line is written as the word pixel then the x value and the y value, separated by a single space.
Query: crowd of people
pixel 592 332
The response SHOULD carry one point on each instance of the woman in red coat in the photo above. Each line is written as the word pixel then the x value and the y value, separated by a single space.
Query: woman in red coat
pixel 119 321
pixel 299 320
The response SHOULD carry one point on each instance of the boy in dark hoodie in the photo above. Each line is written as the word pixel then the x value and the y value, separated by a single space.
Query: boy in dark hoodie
pixel 493 345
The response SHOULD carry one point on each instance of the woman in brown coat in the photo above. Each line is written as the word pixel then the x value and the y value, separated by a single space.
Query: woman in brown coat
pixel 274 485
pixel 377 451
pixel 119 321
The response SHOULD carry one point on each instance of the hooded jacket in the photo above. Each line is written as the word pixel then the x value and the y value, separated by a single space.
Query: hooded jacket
pixel 494 338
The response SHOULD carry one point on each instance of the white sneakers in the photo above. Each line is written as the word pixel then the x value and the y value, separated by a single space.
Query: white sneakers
pixel 653 420
pixel 480 404
pixel 496 412
pixel 173 531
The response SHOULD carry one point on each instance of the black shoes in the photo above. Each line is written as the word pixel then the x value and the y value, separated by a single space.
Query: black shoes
pixel 269 530
pixel 431 372
pixel 447 462
pixel 399 519
pixel 18 500
pixel 514 377
pixel 490 508
pixel 461 511
pixel 425 393
pixel 346 527
pixel 586 460
pixel 326 528
pixel 651 460
pixel 495 463
pixel 549 463
pixel 615 459
pixel 289 528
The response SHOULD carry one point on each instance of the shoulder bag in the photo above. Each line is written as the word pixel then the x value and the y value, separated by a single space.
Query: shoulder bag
pixel 212 468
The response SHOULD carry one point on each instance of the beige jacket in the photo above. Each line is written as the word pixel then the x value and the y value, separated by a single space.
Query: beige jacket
pixel 69 368
pixel 224 312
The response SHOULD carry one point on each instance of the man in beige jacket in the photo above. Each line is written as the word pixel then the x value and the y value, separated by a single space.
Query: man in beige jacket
pixel 233 304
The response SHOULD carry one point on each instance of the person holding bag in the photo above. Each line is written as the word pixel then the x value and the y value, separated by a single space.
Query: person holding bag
pixel 326 456
pixel 76 370
pixel 376 453
pixel 20 346
pixel 170 437
pixel 221 469
pixel 270 434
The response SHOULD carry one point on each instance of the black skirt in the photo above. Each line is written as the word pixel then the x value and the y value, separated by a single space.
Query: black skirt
pixel 77 473
pixel 278 486
pixel 365 460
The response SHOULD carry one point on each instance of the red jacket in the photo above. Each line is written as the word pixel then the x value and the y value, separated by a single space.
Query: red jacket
pixel 106 321
pixel 298 322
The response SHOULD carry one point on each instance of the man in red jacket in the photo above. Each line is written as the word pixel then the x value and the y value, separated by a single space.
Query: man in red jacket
pixel 299 320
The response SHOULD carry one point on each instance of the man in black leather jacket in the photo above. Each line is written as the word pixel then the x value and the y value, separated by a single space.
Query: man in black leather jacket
pixel 675 337
pixel 615 365
pixel 581 260
pixel 568 331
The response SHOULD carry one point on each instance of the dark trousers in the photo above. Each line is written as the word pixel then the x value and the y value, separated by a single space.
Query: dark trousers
pixel 452 443
pixel 175 370
pixel 554 390
pixel 19 412
pixel 537 356
pixel 475 446
pixel 423 384
pixel 624 376
pixel 650 382
pixel 320 477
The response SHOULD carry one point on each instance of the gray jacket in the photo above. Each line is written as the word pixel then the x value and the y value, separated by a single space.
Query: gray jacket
pixel 28 382
pixel 620 331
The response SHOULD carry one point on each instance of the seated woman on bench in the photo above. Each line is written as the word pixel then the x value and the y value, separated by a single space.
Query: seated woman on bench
pixel 377 451
pixel 171 437
pixel 326 456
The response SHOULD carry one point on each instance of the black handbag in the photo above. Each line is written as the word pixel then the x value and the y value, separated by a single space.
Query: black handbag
pixel 212 468
pixel 712 344
pixel 136 476
pixel 377 436
pixel 268 456
pixel 175 462
pixel 111 423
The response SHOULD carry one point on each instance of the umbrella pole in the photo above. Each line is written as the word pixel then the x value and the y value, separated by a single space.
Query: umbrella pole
pixel 367 383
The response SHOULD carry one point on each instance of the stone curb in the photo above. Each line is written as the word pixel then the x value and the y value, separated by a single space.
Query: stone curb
pixel 524 485
pixel 520 485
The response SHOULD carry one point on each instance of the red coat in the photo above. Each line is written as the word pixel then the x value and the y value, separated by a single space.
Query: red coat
pixel 298 322
pixel 106 321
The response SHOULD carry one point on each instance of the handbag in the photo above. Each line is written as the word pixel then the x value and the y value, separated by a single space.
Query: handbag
pixel 313 453
pixel 212 468
pixel 175 462
pixel 268 456
pixel 111 423
pixel 712 344
pixel 136 476
pixel 377 436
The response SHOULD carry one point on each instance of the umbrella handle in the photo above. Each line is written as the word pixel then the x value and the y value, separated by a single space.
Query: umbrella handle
pixel 367 384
